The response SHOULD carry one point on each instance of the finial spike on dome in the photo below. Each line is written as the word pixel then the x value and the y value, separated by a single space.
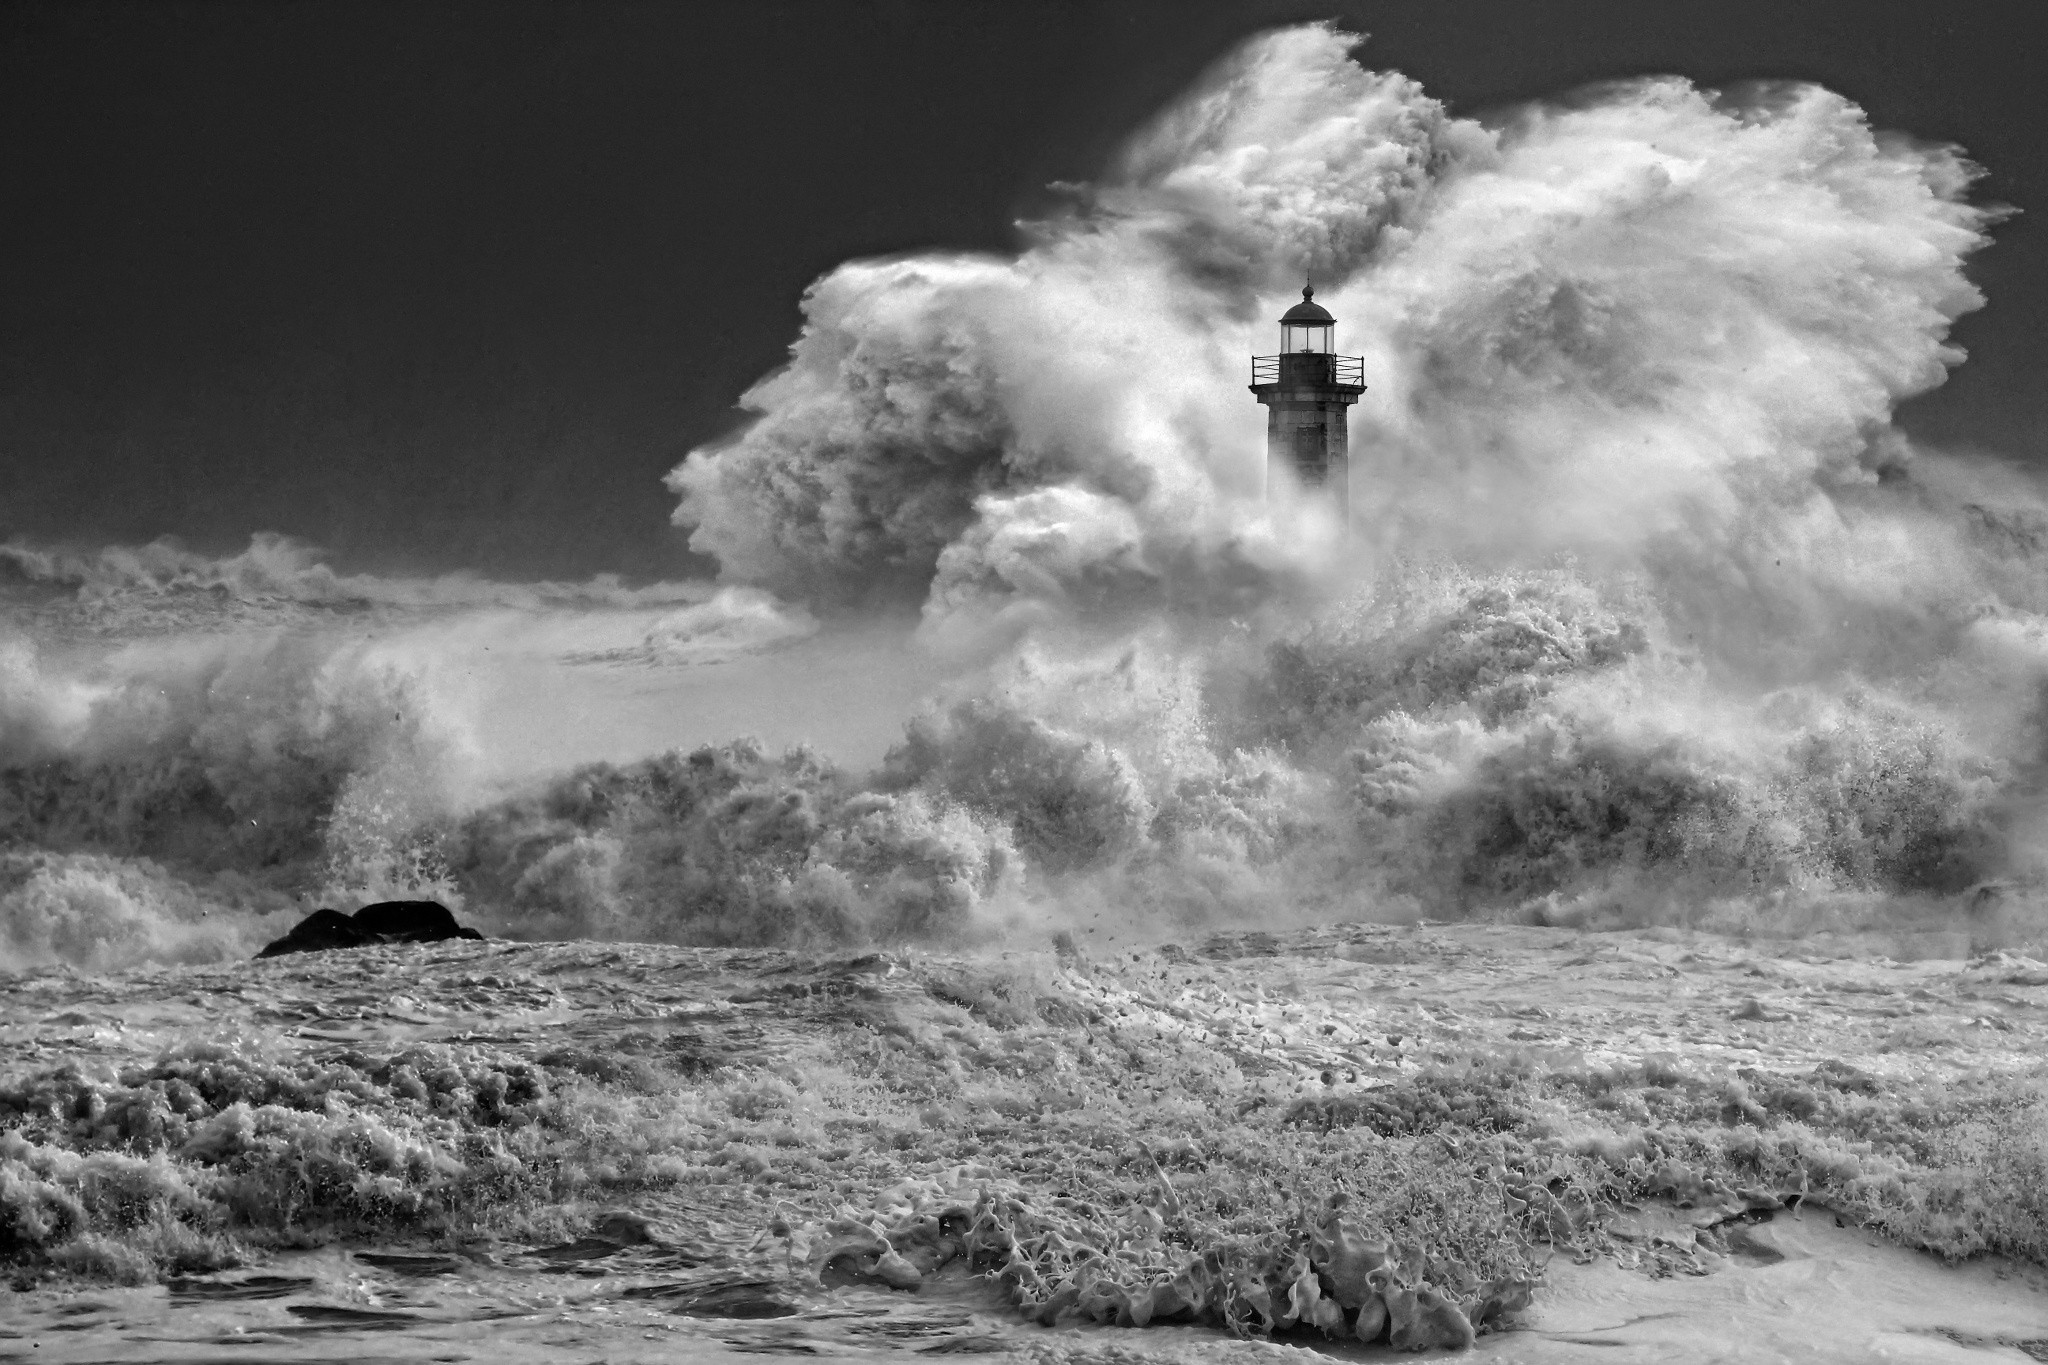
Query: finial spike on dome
pixel 1308 291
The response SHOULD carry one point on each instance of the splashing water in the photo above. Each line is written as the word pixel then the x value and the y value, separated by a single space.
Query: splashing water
pixel 1647 611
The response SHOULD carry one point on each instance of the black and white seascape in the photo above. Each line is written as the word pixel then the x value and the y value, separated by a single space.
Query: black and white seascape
pixel 1068 683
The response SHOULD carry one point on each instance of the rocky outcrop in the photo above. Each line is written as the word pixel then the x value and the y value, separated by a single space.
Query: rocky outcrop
pixel 384 922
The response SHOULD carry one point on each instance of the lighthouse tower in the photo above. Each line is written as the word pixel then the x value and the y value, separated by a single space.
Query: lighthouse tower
pixel 1306 389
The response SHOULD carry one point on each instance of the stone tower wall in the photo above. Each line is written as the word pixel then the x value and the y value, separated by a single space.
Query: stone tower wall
pixel 1308 444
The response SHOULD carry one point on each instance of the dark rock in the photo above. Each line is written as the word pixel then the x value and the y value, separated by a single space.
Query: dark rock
pixel 384 922
pixel 410 922
pixel 316 933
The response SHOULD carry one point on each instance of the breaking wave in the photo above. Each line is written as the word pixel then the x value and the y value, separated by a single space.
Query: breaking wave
pixel 162 588
pixel 1646 611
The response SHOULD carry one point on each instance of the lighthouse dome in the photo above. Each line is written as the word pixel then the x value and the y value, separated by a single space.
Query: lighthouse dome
pixel 1308 310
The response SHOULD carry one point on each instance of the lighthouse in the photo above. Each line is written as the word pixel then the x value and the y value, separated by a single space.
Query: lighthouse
pixel 1306 389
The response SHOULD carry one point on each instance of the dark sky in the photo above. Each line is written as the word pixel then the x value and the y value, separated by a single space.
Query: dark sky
pixel 452 285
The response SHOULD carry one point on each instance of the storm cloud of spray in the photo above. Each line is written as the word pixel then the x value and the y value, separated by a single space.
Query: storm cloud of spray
pixel 1650 320
pixel 1643 589
pixel 1646 609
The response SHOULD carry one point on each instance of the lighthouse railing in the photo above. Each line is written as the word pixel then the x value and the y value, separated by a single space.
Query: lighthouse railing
pixel 1309 367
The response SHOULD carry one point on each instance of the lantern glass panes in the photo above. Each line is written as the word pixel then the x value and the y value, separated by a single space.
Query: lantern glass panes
pixel 1306 336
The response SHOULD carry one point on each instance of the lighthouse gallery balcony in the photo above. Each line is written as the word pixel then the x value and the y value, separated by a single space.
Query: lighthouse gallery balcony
pixel 1309 369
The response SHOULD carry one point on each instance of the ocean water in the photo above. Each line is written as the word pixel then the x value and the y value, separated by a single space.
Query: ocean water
pixel 642 1152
